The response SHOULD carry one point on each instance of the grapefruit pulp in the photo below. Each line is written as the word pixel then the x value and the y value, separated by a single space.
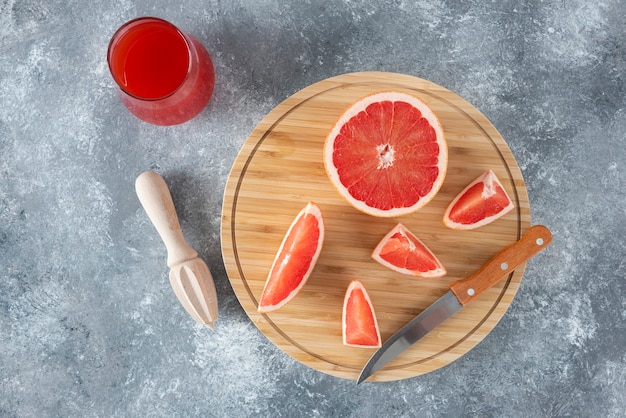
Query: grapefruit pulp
pixel 483 201
pixel 295 259
pixel 387 154
pixel 359 324
pixel 402 251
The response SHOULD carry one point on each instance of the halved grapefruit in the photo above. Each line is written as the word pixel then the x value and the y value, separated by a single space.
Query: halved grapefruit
pixel 483 201
pixel 359 324
pixel 387 154
pixel 402 251
pixel 295 259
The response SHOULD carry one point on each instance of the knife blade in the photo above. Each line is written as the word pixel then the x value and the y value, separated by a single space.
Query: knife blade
pixel 461 293
pixel 190 277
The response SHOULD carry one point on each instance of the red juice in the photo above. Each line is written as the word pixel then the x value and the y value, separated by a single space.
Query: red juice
pixel 166 77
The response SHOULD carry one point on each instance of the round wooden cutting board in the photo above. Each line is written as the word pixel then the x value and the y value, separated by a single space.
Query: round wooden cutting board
pixel 280 168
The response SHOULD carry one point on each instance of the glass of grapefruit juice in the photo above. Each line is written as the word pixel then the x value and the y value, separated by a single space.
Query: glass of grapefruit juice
pixel 165 76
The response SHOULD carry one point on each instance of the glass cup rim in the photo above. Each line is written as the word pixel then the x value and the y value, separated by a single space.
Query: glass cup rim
pixel 134 22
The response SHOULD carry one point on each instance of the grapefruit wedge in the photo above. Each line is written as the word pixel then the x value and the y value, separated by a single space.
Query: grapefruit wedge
pixel 483 201
pixel 386 154
pixel 295 259
pixel 402 251
pixel 359 324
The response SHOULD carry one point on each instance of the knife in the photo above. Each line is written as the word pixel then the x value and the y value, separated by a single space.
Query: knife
pixel 190 277
pixel 460 294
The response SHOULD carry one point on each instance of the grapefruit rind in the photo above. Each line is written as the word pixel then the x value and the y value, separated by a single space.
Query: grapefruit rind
pixel 369 314
pixel 492 183
pixel 310 209
pixel 353 111
pixel 416 248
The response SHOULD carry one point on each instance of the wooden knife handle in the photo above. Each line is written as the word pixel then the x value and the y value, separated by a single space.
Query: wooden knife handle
pixel 156 199
pixel 534 240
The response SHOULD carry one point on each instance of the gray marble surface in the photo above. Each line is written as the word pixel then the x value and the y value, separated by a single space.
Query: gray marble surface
pixel 89 325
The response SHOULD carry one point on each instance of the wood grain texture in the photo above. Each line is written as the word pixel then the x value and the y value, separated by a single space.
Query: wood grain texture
pixel 190 277
pixel 503 263
pixel 280 168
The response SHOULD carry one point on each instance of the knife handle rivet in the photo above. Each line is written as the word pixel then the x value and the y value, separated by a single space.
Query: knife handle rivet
pixel 504 266
pixel 470 291
pixel 539 241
